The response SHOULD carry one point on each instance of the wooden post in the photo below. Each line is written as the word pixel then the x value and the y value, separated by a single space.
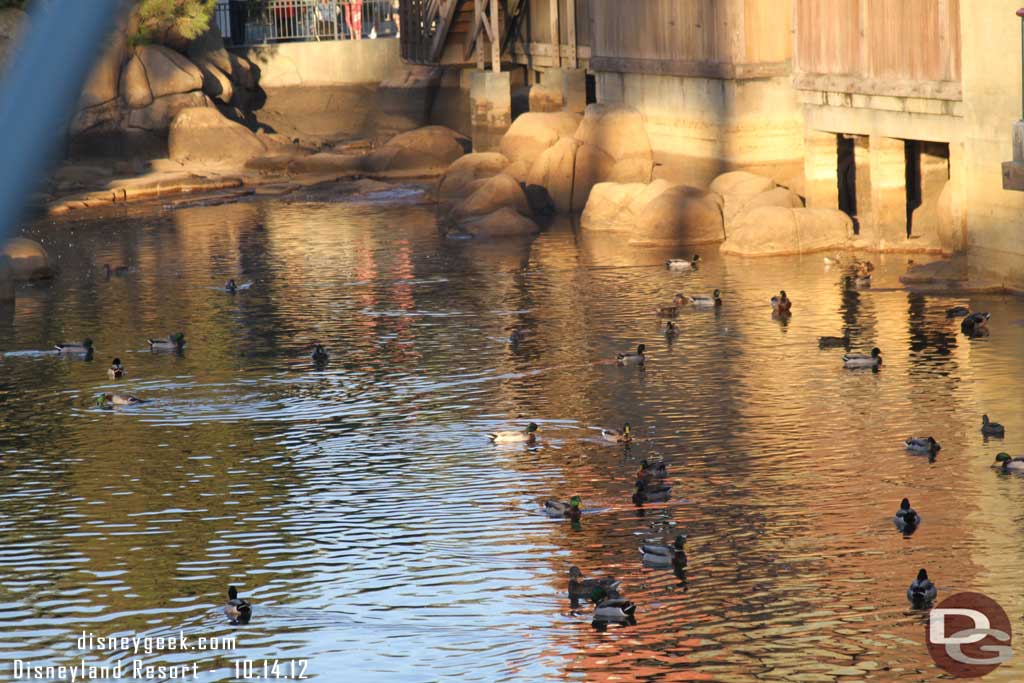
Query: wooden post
pixel 495 38
pixel 478 18
pixel 556 39
pixel 570 19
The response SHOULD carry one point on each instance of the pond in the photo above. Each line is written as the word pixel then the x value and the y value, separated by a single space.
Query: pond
pixel 362 510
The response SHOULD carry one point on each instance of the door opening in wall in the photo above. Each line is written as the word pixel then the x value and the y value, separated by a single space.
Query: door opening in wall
pixel 591 89
pixel 846 172
pixel 912 156
pixel 927 172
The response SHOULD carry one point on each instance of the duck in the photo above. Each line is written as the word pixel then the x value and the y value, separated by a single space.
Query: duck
pixel 173 342
pixel 859 360
pixel 1009 464
pixel 571 510
pixel 616 436
pixel 320 354
pixel 582 589
pixel 637 358
pixel 827 342
pixel 957 312
pixel 712 301
pixel 683 264
pixel 673 310
pixel 671 330
pixel 85 346
pixel 516 337
pixel 528 435
pixel 118 271
pixel 611 607
pixel 651 493
pixel 989 428
pixel 237 610
pixel 922 591
pixel 975 324
pixel 922 445
pixel 648 470
pixel 906 518
pixel 116 370
pixel 864 267
pixel 104 400
pixel 231 287
pixel 781 303
pixel 665 554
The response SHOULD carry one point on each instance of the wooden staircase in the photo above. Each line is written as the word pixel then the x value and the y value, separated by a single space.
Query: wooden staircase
pixel 446 31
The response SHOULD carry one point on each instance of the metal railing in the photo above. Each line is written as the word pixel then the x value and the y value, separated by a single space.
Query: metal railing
pixel 256 22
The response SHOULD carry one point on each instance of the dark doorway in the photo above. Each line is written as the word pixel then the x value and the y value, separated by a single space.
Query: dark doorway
pixel 847 177
pixel 591 89
pixel 912 154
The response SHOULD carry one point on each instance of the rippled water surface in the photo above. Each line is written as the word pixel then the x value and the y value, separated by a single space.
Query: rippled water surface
pixel 362 510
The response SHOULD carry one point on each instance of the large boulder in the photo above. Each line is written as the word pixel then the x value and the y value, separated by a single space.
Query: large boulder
pixel 28 259
pixel 616 206
pixel 503 222
pixel 737 188
pixel 465 170
pixel 324 163
pixel 679 215
pixel 614 148
pixel 216 83
pixel 425 151
pixel 134 87
pixel 105 77
pixel 209 48
pixel 494 193
pixel 532 133
pixel 204 134
pixel 167 71
pixel 158 115
pixel 775 230
pixel 554 170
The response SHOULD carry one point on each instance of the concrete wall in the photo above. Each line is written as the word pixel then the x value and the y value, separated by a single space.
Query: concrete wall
pixel 324 63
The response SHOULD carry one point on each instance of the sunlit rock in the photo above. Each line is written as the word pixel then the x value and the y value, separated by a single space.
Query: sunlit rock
pixel 534 132
pixel 554 170
pixel 775 230
pixel 499 192
pixel 465 170
pixel 614 147
pixel 426 151
pixel 504 222
pixel 204 134
pixel 654 213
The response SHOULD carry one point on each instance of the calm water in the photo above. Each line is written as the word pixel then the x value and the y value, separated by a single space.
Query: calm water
pixel 379 533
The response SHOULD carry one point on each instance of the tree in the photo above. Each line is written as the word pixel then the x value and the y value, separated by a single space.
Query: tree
pixel 172 20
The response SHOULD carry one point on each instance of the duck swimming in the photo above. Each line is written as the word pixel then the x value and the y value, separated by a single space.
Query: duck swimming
pixel 682 264
pixel 651 493
pixel 663 554
pixel 671 330
pixel 173 342
pixel 781 303
pixel 922 445
pixel 1009 464
pixel 906 518
pixel 106 400
pixel 528 435
pixel 859 360
pixel 237 610
pixel 320 354
pixel 673 310
pixel 975 324
pixel 637 358
pixel 616 436
pixel 116 370
pixel 571 510
pixel 648 470
pixel 82 347
pixel 231 287
pixel 583 589
pixel 989 428
pixel 611 607
pixel 712 301
pixel 922 591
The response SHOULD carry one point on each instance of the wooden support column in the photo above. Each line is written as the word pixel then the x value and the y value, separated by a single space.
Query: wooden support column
pixel 556 38
pixel 570 18
pixel 478 11
pixel 495 38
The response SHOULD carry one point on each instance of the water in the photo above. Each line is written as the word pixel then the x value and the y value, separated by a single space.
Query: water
pixel 378 532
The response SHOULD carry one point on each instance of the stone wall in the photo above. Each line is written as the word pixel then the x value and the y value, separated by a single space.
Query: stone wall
pixel 324 62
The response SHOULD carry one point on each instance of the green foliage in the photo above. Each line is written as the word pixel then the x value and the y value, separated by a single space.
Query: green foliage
pixel 186 19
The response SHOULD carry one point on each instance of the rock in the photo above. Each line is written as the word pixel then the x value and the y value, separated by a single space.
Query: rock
pixel 679 215
pixel 326 162
pixel 209 48
pixel 243 72
pixel 404 161
pixel 203 134
pixel 105 78
pixel 592 166
pixel 467 169
pixel 775 230
pixel 737 188
pixel 28 259
pixel 429 151
pixel 539 200
pixel 614 148
pixel 494 193
pixel 216 83
pixel 780 196
pixel 534 132
pixel 157 116
pixel 135 89
pixel 554 170
pixel 168 72
pixel 504 222
pixel 518 170
pixel 616 206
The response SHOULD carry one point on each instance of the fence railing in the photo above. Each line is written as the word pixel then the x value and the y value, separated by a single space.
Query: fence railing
pixel 255 22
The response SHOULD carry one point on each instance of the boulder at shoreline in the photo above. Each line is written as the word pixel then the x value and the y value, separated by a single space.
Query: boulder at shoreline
pixel 778 231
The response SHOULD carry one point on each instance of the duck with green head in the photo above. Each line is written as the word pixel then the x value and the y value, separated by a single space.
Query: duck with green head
pixel 637 358
pixel 922 591
pixel 610 607
pixel 616 436
pixel 116 370
pixel 237 610
pixel 528 435
pixel 581 588
pixel 683 264
pixel 173 342
pixel 906 518
pixel 561 510
pixel 860 360
pixel 922 445
pixel 1007 463
pixel 665 555
pixel 700 301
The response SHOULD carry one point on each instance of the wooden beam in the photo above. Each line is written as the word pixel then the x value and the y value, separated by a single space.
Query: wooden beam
pixel 495 34
pixel 570 20
pixel 556 37
pixel 478 14
pixel 927 90
pixel 444 24
pixel 671 67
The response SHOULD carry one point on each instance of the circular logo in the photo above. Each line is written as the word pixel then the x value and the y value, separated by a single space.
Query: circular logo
pixel 968 635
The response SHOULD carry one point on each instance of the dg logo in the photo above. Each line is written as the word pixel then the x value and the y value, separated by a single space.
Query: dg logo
pixel 969 635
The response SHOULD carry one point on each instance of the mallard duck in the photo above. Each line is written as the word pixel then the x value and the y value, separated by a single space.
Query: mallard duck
pixel 237 610
pixel 611 607
pixel 975 324
pixel 231 287
pixel 992 428
pixel 859 360
pixel 671 330
pixel 781 303
pixel 116 370
pixel 637 358
pixel 922 591
pixel 648 470
pixel 528 435
pixel 906 517
pixel 581 588
pixel 682 264
pixel 651 493
pixel 922 445
pixel 320 354
pixel 104 400
pixel 615 436
pixel 571 510
pixel 957 312
pixel 834 342
pixel 663 554
pixel 706 301
pixel 173 342
pixel 84 346
pixel 1009 464
pixel 673 310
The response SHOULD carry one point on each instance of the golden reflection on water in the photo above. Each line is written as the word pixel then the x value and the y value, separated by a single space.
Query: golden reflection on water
pixel 374 527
